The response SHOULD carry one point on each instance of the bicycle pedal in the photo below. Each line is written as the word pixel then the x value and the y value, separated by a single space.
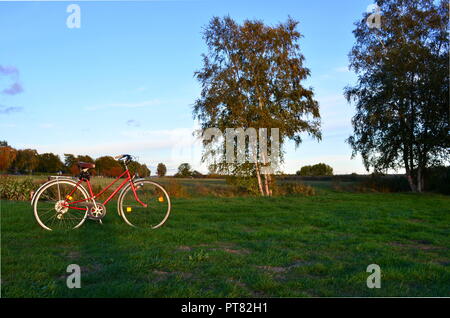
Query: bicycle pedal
pixel 96 211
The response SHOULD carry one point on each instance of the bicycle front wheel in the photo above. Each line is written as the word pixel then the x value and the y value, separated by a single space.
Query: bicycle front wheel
pixel 153 209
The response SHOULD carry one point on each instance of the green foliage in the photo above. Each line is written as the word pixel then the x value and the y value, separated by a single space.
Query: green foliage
pixel 242 177
pixel 144 171
pixel 108 166
pixel 197 174
pixel 141 169
pixel 244 185
pixel 69 160
pixel 213 169
pixel 16 189
pixel 49 162
pixel 252 78
pixel 380 183
pixel 294 188
pixel 26 160
pixel 319 169
pixel 184 171
pixel 176 190
pixel 85 158
pixel 402 93
pixel 438 179
pixel 161 169
pixel 219 191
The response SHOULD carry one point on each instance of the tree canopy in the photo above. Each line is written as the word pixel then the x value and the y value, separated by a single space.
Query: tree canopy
pixel 320 169
pixel 251 78
pixel 402 92
pixel 161 169
pixel 49 162
pixel 184 170
pixel 29 161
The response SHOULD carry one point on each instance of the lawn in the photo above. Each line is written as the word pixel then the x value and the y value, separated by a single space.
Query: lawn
pixel 239 247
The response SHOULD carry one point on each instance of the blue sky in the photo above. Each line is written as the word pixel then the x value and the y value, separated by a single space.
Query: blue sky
pixel 123 82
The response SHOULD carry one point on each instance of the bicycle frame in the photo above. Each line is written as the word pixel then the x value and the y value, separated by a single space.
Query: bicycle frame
pixel 128 179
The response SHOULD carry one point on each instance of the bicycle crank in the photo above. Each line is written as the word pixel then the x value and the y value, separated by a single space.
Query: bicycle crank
pixel 96 212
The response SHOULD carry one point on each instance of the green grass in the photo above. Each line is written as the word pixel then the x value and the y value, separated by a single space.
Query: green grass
pixel 239 247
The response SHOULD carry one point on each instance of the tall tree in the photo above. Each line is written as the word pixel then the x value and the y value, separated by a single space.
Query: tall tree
pixel 320 169
pixel 69 160
pixel 161 169
pixel 141 169
pixel 251 77
pixel 144 171
pixel 7 156
pixel 108 166
pixel 85 158
pixel 184 170
pixel 49 162
pixel 26 160
pixel 402 92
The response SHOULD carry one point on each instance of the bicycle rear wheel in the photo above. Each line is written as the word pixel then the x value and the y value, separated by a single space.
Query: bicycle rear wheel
pixel 157 211
pixel 52 208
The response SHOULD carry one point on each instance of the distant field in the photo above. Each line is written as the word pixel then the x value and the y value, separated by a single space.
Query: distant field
pixel 104 181
pixel 191 183
pixel 240 247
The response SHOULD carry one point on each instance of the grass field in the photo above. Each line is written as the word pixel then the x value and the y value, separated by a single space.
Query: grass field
pixel 239 247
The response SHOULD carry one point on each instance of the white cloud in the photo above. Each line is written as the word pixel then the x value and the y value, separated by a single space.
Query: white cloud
pixel 332 100
pixel 342 69
pixel 171 146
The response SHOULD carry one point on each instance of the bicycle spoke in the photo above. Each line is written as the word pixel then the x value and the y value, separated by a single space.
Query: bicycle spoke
pixel 151 216
pixel 52 210
pixel 47 212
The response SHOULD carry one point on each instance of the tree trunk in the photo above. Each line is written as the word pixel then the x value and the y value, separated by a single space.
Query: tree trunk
pixel 266 178
pixel 258 176
pixel 419 179
pixel 411 181
pixel 270 184
pixel 266 184
pixel 407 163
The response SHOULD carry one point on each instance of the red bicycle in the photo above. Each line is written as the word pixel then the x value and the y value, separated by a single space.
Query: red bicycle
pixel 64 203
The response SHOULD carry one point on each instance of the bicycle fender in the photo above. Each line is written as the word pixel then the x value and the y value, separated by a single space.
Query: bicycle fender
pixel 54 180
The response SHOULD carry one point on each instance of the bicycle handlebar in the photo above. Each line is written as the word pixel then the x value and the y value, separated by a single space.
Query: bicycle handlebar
pixel 120 157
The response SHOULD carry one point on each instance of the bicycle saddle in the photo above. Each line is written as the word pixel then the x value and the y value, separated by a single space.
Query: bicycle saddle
pixel 86 165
